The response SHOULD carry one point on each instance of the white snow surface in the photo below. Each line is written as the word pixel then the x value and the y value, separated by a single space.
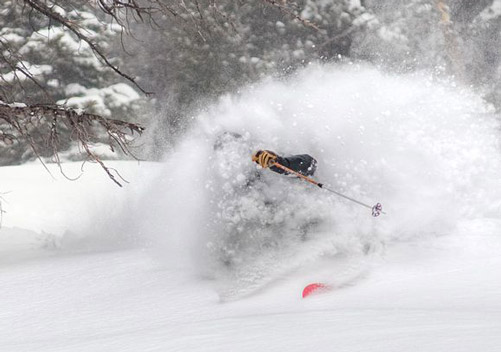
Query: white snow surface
pixel 196 253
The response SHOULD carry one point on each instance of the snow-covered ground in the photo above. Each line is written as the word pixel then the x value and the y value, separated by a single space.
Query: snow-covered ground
pixel 87 266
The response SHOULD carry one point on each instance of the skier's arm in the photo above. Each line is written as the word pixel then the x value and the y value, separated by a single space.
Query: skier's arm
pixel 303 163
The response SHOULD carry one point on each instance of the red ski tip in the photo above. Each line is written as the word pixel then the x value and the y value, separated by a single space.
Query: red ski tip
pixel 314 288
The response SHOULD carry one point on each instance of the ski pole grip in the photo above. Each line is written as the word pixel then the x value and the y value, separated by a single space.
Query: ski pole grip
pixel 321 185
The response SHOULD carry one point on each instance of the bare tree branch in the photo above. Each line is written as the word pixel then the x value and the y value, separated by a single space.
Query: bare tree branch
pixel 41 125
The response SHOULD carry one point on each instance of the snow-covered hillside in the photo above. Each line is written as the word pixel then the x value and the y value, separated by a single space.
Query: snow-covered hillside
pixel 196 254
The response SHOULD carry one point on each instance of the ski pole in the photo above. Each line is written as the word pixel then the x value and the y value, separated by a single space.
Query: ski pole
pixel 376 209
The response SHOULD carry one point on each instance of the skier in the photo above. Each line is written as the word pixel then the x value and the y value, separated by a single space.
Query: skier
pixel 302 163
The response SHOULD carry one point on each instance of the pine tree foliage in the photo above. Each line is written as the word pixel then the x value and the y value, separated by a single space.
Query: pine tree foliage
pixel 58 83
pixel 45 62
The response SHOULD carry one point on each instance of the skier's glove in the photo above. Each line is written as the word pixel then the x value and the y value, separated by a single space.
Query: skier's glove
pixel 264 158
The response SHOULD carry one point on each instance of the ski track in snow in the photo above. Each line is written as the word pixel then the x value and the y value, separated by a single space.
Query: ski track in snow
pixel 86 266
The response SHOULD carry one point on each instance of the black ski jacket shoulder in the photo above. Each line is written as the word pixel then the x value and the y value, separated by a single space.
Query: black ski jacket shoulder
pixel 302 163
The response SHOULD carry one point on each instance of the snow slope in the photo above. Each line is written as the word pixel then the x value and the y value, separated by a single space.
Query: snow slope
pixel 86 266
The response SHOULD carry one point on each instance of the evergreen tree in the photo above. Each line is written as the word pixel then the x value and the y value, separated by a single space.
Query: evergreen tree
pixel 44 62
pixel 42 54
